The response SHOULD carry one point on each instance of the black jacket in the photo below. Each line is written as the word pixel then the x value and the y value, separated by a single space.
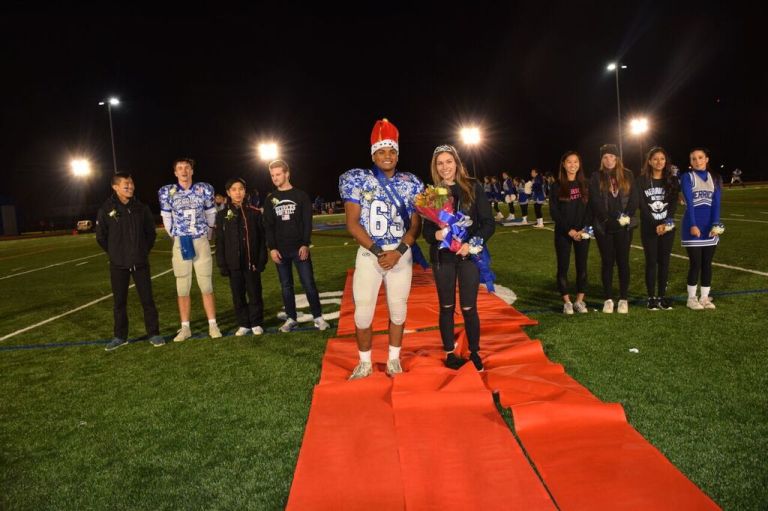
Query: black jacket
pixel 483 224
pixel 240 242
pixel 126 232
pixel 606 209
pixel 568 214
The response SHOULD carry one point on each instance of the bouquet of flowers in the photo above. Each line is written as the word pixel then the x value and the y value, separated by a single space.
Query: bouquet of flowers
pixel 717 230
pixel 624 220
pixel 435 204
pixel 587 233
pixel 669 225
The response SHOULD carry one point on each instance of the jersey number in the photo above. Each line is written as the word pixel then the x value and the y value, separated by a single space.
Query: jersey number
pixel 380 223
pixel 189 216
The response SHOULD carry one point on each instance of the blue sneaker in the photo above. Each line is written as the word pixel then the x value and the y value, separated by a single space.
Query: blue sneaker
pixel 115 343
pixel 157 341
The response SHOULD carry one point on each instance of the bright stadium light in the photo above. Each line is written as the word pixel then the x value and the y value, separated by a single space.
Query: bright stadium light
pixel 80 167
pixel 470 135
pixel 268 151
pixel 638 126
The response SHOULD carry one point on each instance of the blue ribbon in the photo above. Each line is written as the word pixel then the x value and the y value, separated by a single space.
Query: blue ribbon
pixel 457 224
pixel 187 246
pixel 483 262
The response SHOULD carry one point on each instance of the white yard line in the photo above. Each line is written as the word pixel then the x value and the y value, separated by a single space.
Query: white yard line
pixel 51 266
pixel 17 332
pixel 736 214
pixel 84 262
pixel 721 265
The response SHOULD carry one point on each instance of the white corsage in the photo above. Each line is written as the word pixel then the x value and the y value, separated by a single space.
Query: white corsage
pixel 114 214
pixel 623 220
pixel 275 201
pixel 475 245
pixel 368 196
pixel 230 215
pixel 172 191
pixel 669 225
pixel 717 230
pixel 588 233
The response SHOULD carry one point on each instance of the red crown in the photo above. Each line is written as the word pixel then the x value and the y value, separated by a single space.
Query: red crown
pixel 384 134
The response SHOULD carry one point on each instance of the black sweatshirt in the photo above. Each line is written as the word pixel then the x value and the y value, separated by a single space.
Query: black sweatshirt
pixel 240 239
pixel 572 213
pixel 126 232
pixel 483 224
pixel 606 208
pixel 658 202
pixel 287 219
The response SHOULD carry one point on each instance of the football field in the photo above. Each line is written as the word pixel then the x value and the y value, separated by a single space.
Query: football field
pixel 217 424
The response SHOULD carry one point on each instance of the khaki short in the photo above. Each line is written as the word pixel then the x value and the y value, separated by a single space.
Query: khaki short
pixel 202 263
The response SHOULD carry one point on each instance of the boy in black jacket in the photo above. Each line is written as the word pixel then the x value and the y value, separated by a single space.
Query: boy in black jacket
pixel 241 254
pixel 125 230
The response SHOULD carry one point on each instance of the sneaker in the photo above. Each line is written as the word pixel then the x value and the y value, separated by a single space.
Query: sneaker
pixel 289 325
pixel 394 367
pixel 241 331
pixel 499 216
pixel 184 333
pixel 321 324
pixel 665 303
pixel 706 302
pixel 115 343
pixel 213 331
pixel 475 358
pixel 539 225
pixel 452 361
pixel 257 330
pixel 363 370
pixel 608 306
pixel 580 307
pixel 694 304
pixel 653 303
pixel 524 222
pixel 511 218
pixel 567 308
pixel 157 341
pixel 623 307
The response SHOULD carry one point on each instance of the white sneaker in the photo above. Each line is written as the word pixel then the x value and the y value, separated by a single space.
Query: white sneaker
pixel 524 221
pixel 499 216
pixel 242 331
pixel 213 331
pixel 567 308
pixel 608 306
pixel 706 302
pixel 321 324
pixel 289 325
pixel 623 307
pixel 511 218
pixel 257 330
pixel 394 367
pixel 580 307
pixel 363 370
pixel 694 304
pixel 184 333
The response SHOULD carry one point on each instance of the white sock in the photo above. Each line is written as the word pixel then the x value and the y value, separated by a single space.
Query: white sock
pixel 705 291
pixel 212 321
pixel 365 356
pixel 394 352
pixel 185 324
pixel 525 219
pixel 692 291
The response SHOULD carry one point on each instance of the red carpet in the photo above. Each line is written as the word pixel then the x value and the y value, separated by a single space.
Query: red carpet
pixel 432 438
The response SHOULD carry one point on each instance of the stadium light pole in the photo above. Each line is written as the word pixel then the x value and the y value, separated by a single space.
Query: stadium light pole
pixel 110 102
pixel 639 127
pixel 471 138
pixel 613 66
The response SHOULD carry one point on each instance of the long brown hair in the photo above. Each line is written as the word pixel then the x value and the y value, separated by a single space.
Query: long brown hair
pixel 565 188
pixel 671 184
pixel 465 182
pixel 605 182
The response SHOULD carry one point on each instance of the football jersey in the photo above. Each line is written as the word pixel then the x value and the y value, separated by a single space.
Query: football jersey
pixel 187 207
pixel 379 216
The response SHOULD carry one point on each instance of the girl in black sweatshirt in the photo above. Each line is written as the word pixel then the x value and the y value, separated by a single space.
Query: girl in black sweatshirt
pixel 569 207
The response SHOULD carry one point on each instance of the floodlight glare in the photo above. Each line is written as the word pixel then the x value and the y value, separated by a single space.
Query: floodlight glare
pixel 470 136
pixel 268 151
pixel 638 126
pixel 80 167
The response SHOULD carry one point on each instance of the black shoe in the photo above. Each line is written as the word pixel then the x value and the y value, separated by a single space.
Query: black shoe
pixel 665 303
pixel 653 303
pixel 475 358
pixel 454 362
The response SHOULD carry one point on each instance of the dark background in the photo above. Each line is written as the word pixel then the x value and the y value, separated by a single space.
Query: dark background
pixel 211 85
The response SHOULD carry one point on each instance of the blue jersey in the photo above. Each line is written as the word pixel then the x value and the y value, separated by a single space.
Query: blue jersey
pixel 379 216
pixel 702 199
pixel 188 208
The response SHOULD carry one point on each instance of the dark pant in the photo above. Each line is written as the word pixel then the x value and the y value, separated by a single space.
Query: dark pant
pixel 700 262
pixel 523 209
pixel 449 269
pixel 657 253
pixel 511 208
pixel 307 278
pixel 249 313
pixel 563 244
pixel 614 249
pixel 120 278
pixel 537 209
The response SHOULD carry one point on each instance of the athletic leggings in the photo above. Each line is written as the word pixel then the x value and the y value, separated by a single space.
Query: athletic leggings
pixel 563 244
pixel 447 271
pixel 537 209
pixel 614 248
pixel 495 205
pixel 700 262
pixel 524 209
pixel 657 251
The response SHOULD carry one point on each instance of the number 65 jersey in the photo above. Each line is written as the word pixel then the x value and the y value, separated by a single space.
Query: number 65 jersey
pixel 380 200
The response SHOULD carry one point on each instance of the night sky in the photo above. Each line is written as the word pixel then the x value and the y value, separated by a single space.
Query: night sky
pixel 212 85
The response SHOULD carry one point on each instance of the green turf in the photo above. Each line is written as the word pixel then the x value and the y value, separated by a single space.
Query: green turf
pixel 218 424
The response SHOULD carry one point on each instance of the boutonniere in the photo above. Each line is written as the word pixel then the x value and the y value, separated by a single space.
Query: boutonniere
pixel 230 215
pixel 368 196
pixel 172 191
pixel 275 202
pixel 114 214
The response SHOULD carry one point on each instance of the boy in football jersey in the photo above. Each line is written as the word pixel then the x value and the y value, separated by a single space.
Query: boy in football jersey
pixel 381 217
pixel 189 213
